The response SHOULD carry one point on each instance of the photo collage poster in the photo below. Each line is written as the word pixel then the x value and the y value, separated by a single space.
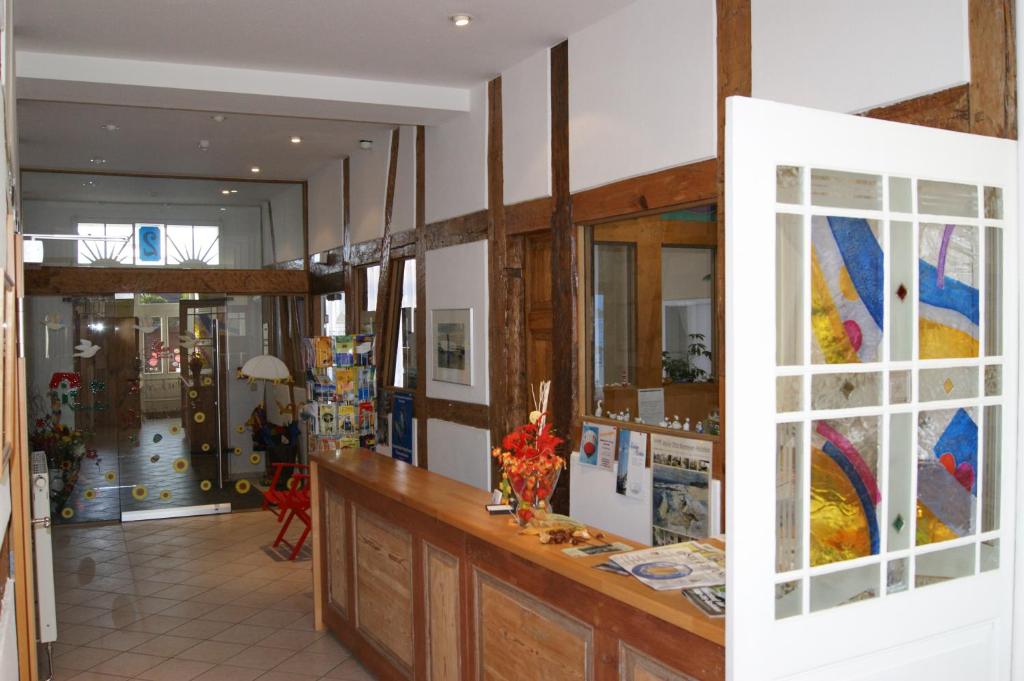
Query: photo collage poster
pixel 680 494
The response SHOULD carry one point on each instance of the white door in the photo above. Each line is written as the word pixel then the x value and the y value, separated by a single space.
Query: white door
pixel 872 340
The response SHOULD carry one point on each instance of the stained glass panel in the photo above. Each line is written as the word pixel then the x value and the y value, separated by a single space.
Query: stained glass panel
pixel 901 287
pixel 846 290
pixel 788 499
pixel 947 462
pixel 948 293
pixel 844 494
pixel 847 390
pixel 947 383
pixel 842 588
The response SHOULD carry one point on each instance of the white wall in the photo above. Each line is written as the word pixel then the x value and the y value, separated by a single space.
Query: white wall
pixel 239 225
pixel 287 219
pixel 642 91
pixel 326 228
pixel 368 188
pixel 456 279
pixel 459 452
pixel 403 216
pixel 526 128
pixel 850 56
pixel 456 163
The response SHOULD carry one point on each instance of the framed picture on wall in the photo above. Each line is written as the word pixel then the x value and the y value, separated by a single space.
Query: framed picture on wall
pixel 453 345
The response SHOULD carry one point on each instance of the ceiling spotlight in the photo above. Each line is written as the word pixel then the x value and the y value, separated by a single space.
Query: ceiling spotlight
pixel 234 191
pixel 97 160
pixel 222 208
pixel 204 145
pixel 255 169
pixel 110 127
pixel 461 20
pixel 296 139
pixel 225 191
pixel 366 145
pixel 218 118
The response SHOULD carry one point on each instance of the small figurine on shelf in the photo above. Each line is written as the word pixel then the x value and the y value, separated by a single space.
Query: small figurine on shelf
pixel 638 419
pixel 676 425
pixel 699 428
pixel 627 417
pixel 686 424
pixel 663 423
pixel 599 412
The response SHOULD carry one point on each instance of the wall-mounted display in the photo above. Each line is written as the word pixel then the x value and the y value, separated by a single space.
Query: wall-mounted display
pixel 453 350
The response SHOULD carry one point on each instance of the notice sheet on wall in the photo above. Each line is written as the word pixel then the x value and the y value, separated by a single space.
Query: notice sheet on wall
pixel 679 498
pixel 650 405
pixel 632 454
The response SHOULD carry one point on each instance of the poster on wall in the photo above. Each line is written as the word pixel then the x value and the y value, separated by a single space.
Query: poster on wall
pixel 682 473
pixel 453 345
pixel 401 427
pixel 651 404
pixel 632 456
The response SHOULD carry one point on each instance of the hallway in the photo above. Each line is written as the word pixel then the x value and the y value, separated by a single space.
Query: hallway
pixel 188 599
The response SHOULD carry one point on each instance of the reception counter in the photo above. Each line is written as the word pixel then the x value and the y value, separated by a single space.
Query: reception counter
pixel 413 575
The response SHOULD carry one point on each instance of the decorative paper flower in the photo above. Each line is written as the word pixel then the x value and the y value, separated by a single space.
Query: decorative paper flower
pixel 205 485
pixel 139 492
pixel 242 486
pixel 110 476
pixel 239 429
pixel 180 465
pixel 193 394
pixel 89 494
pixel 175 430
pixel 207 380
pixel 254 459
pixel 205 447
pixel 238 451
pixel 199 417
pixel 165 495
pixel 67 512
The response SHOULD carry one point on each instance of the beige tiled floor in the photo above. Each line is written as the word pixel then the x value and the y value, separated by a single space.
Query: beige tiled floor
pixel 188 599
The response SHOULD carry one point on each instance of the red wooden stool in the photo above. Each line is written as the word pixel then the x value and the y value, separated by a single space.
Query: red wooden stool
pixel 295 503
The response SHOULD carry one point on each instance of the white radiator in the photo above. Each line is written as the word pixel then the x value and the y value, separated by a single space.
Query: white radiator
pixel 42 531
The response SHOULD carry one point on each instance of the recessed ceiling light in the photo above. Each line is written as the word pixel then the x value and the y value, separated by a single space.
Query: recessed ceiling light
pixel 366 145
pixel 234 191
pixel 461 20
pixel 222 208
pixel 97 160
pixel 225 191
pixel 110 127
pixel 219 118
pixel 204 145
pixel 255 169
pixel 296 139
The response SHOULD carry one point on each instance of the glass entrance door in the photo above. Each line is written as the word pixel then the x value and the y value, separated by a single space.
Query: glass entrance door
pixel 135 400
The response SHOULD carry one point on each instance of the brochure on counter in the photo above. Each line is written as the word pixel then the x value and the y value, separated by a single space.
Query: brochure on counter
pixel 709 599
pixel 676 566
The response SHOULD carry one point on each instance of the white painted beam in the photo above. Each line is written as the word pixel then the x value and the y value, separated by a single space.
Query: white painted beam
pixel 105 80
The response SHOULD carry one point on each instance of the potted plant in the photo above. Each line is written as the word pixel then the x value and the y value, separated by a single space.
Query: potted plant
pixel 684 369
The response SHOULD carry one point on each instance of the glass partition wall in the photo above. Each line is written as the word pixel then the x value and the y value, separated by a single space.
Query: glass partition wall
pixel 137 403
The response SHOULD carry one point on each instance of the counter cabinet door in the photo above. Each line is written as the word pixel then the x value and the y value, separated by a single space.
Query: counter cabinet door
pixel 871 349
pixel 335 515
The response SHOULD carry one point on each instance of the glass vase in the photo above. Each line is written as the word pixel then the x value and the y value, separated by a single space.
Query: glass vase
pixel 533 496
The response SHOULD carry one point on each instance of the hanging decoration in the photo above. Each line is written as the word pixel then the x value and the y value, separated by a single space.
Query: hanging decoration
pixel 86 349
pixel 96 387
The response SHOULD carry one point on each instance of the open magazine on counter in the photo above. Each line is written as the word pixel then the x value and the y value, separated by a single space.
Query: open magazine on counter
pixel 675 566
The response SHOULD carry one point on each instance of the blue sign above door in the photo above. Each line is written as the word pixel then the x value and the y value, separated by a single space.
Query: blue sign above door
pixel 150 243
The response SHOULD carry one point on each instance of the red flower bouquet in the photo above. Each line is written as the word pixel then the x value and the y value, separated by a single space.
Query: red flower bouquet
pixel 530 467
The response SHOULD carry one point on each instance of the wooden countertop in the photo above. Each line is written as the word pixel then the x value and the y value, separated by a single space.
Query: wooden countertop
pixel 462 507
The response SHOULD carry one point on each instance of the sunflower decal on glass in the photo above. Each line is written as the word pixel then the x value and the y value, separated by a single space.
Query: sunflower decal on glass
pixel 165 495
pixel 89 494
pixel 238 451
pixel 180 465
pixel 199 417
pixel 139 492
pixel 174 430
pixel 243 486
pixel 193 394
pixel 110 476
pixel 205 447
pixel 67 513
pixel 205 485
pixel 239 429
pixel 254 459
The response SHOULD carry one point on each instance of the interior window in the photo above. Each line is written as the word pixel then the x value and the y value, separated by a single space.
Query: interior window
pixel 113 247
pixel 332 312
pixel 651 319
pixel 405 361
pixel 369 277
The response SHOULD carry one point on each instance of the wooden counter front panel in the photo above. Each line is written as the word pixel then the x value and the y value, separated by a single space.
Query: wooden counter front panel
pixel 518 637
pixel 443 604
pixel 635 666
pixel 384 586
pixel 336 534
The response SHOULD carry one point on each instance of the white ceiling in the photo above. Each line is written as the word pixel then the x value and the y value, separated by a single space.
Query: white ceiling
pixel 124 189
pixel 67 135
pixel 400 40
